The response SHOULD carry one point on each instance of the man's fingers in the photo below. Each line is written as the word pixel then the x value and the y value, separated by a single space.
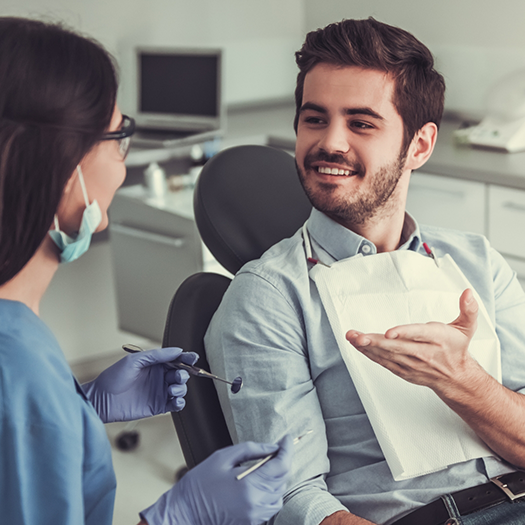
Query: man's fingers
pixel 420 333
pixel 468 314
pixel 466 322
pixel 400 364
pixel 357 338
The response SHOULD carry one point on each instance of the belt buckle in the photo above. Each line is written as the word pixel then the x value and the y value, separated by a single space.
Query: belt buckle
pixel 505 488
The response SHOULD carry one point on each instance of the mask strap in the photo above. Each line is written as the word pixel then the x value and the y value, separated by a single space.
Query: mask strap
pixel 84 192
pixel 82 185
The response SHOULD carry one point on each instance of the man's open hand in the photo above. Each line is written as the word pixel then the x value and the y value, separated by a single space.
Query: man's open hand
pixel 431 354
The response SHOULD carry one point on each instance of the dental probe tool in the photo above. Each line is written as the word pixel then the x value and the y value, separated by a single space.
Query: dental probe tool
pixel 267 458
pixel 236 384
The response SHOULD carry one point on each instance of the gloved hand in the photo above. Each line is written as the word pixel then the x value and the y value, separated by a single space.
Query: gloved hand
pixel 140 385
pixel 210 494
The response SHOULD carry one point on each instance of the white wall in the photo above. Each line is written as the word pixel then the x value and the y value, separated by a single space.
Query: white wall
pixel 259 38
pixel 475 42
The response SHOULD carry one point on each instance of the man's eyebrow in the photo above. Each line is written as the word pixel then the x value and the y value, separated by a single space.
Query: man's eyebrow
pixel 314 107
pixel 363 111
pixel 347 111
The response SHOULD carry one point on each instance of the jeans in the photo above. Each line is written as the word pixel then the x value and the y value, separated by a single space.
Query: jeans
pixel 505 513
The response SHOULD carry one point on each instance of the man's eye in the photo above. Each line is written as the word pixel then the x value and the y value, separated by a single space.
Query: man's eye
pixel 312 120
pixel 360 125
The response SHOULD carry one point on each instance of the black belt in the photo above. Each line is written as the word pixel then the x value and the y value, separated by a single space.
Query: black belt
pixel 508 487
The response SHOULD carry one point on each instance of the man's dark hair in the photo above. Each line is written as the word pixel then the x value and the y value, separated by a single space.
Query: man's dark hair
pixel 419 90
pixel 57 95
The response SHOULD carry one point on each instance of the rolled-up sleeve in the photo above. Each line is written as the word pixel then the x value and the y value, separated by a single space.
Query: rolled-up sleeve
pixel 258 333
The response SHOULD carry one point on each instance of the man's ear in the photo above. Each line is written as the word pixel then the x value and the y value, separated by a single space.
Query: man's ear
pixel 422 146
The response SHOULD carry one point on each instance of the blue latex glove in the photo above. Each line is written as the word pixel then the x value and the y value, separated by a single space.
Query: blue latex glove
pixel 210 493
pixel 140 385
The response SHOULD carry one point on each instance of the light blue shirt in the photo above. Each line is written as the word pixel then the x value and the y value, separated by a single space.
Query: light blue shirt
pixel 55 457
pixel 272 330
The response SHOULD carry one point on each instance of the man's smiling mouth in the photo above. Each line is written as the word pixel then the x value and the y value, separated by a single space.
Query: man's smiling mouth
pixel 335 171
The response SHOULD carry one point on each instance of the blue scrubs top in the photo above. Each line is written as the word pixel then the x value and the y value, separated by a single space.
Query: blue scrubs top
pixel 55 457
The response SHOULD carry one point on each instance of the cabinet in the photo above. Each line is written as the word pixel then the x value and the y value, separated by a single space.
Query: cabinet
pixel 507 220
pixel 155 246
pixel 494 211
pixel 506 226
pixel 447 202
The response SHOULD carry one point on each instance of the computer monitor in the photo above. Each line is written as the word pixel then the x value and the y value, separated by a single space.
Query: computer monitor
pixel 178 89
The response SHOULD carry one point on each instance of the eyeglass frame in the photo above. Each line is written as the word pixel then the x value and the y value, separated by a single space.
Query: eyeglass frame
pixel 122 134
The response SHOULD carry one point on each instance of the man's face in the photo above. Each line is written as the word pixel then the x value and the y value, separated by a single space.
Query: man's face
pixel 349 140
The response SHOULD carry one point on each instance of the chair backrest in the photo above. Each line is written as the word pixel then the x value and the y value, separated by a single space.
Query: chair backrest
pixel 200 425
pixel 247 199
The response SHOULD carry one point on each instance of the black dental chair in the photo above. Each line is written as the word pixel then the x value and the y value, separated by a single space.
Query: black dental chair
pixel 247 199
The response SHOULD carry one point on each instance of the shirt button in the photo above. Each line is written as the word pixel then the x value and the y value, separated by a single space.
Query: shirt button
pixel 366 248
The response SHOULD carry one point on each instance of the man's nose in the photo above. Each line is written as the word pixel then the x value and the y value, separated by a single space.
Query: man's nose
pixel 335 138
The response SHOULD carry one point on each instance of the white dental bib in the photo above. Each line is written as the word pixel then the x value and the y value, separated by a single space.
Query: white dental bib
pixel 418 433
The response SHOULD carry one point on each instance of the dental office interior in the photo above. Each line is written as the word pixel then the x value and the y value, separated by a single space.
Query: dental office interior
pixel 119 291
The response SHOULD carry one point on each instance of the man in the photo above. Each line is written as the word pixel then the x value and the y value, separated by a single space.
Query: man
pixel 369 104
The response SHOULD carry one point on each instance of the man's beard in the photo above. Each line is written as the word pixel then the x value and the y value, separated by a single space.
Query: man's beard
pixel 360 206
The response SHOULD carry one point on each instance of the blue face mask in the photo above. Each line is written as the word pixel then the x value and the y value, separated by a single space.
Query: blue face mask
pixel 73 248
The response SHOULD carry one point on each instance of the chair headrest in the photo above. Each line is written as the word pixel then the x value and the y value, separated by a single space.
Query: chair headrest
pixel 247 199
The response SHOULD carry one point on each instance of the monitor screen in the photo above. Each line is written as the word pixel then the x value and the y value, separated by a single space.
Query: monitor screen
pixel 177 85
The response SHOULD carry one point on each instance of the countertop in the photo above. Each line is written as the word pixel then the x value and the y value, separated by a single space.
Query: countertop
pixel 273 125
pixel 465 162
pixel 178 202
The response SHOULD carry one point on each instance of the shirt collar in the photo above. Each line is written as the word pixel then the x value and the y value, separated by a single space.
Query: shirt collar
pixel 340 242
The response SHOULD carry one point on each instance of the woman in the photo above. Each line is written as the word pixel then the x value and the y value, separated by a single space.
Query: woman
pixel 62 147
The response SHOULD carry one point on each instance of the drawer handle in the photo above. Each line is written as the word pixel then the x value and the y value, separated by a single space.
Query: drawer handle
pixel 514 206
pixel 176 242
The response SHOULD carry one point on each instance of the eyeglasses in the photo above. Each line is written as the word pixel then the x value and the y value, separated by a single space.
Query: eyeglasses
pixel 123 135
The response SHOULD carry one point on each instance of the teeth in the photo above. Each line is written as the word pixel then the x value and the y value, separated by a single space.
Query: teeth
pixel 333 171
